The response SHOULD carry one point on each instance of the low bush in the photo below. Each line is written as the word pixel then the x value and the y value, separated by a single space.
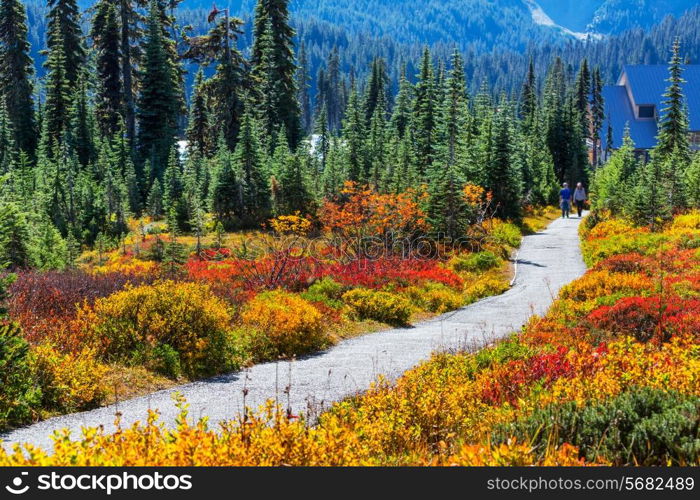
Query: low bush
pixel 475 262
pixel 69 382
pixel 135 325
pixel 291 324
pixel 506 234
pixel 380 306
pixel 642 426
pixel 20 395
pixel 326 291
pixel 485 287
pixel 435 297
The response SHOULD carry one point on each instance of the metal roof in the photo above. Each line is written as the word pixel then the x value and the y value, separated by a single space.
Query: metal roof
pixel 648 83
pixel 619 109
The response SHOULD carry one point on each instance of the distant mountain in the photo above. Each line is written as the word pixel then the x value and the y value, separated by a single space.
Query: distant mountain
pixel 612 16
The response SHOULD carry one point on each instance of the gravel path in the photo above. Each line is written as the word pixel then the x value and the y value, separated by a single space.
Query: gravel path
pixel 546 261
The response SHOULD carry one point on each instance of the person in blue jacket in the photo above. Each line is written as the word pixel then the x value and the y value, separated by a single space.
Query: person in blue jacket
pixel 565 200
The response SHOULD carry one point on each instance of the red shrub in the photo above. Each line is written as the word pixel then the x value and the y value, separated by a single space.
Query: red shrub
pixel 376 273
pixel 512 377
pixel 43 303
pixel 648 318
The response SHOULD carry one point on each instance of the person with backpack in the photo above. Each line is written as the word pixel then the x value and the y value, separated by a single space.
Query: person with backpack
pixel 565 201
pixel 579 198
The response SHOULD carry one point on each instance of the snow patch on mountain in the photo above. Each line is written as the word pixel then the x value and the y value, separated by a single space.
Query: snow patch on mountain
pixel 539 16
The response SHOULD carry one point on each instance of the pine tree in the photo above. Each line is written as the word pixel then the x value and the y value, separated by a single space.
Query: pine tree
pixel 453 113
pixel 105 33
pixel 14 239
pixel 248 159
pixel 446 207
pixel 199 129
pixel 226 189
pixel 503 178
pixel 357 167
pixel 582 91
pixel 158 104
pixel 302 81
pixel 401 116
pixel 673 128
pixel 16 72
pixel 274 69
pixel 56 118
pixel 8 152
pixel 597 114
pixel 155 200
pixel 80 132
pixel 649 204
pixel 64 29
pixel 291 193
pixel 424 114
pixel 376 91
pixel 528 97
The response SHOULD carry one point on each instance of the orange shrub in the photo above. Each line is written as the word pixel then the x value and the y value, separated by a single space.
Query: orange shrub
pixel 291 324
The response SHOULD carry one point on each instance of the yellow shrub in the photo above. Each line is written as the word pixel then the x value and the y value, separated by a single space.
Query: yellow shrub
pixel 69 382
pixel 173 327
pixel 485 287
pixel 435 297
pixel 688 221
pixel 380 306
pixel 292 324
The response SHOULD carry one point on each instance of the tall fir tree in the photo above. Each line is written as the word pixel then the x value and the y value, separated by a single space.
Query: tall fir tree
pixel 248 158
pixel 56 113
pixel 302 80
pixel 159 97
pixel 16 72
pixel 105 33
pixel 64 28
pixel 274 68
pixel 673 126
pixel 424 114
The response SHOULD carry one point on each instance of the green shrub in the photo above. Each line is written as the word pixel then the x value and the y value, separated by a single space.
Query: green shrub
pixel 326 291
pixel 507 234
pixel 502 352
pixel 475 262
pixel 380 306
pixel 641 426
pixel 19 396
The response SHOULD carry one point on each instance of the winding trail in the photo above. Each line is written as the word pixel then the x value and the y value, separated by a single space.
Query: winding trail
pixel 546 261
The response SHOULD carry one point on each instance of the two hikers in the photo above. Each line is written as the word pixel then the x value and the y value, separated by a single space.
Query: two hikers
pixel 566 197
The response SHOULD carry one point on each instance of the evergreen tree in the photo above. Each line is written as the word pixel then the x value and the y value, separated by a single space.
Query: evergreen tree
pixel 376 90
pixel 226 189
pixel 64 29
pixel 248 159
pixel 106 36
pixel 528 97
pixel 503 178
pixel 302 82
pixel 649 204
pixel 274 69
pixel 8 152
pixel 155 200
pixel 80 132
pixel 14 237
pixel 158 103
pixel 56 116
pixel 673 128
pixel 354 132
pixel 424 114
pixel 199 130
pixel 290 192
pixel 446 207
pixel 401 116
pixel 597 114
pixel 16 72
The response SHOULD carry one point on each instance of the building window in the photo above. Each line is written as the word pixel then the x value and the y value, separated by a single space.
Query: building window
pixel 646 111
